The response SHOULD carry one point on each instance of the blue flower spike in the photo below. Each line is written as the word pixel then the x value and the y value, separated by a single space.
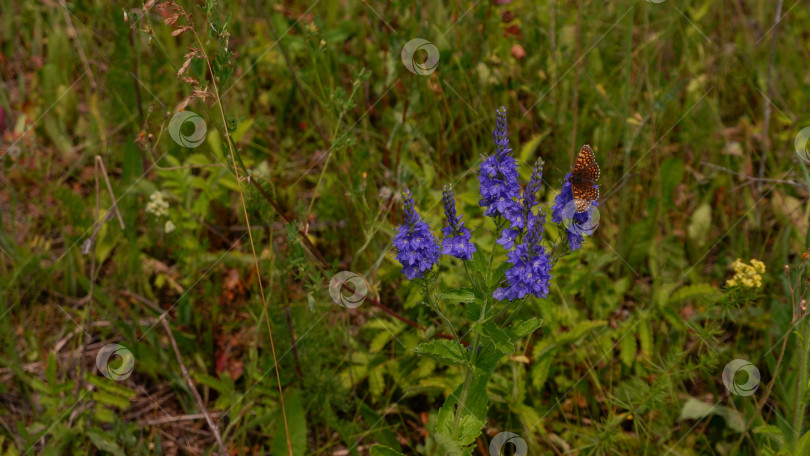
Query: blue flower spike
pixel 456 236
pixel 417 248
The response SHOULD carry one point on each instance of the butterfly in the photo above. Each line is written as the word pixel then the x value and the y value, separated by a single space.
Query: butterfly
pixel 583 179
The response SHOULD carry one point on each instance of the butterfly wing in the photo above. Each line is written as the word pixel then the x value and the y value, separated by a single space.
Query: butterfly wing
pixel 583 177
pixel 584 193
pixel 586 166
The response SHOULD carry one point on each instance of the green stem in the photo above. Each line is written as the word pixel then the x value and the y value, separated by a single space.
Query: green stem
pixel 435 306
pixel 465 390
pixel 801 382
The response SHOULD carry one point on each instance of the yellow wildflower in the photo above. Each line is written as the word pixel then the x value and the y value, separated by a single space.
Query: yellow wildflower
pixel 745 275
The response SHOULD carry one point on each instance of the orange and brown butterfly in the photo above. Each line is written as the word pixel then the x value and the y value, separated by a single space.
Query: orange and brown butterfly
pixel 583 179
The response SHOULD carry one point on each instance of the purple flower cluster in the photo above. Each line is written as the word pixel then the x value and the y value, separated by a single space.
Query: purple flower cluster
pixel 530 264
pixel 417 247
pixel 580 222
pixel 509 235
pixel 499 177
pixel 530 272
pixel 456 236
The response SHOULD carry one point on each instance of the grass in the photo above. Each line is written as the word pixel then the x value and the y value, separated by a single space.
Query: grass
pixel 692 108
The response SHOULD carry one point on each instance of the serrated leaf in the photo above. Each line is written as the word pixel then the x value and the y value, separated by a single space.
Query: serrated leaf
pixel 469 428
pixel 524 328
pixel 442 350
pixel 449 446
pixel 499 337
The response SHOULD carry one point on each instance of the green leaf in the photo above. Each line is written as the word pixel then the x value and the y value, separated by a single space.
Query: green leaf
pixel 296 421
pixel 803 447
pixel 50 370
pixel 379 450
pixel 578 331
pixel 645 336
pixel 111 399
pixel 541 368
pixel 474 413
pixel 443 350
pixel 694 409
pixel 628 349
pixel 114 388
pixel 104 442
pixel 457 296
pixel 103 414
pixel 771 431
pixel 528 148
pixel 524 328
pixel 499 337
pixel 692 292
pixel 451 447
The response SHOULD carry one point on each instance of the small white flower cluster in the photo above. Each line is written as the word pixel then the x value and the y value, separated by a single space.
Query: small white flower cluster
pixel 158 205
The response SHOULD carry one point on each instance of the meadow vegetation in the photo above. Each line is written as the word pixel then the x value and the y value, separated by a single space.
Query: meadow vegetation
pixel 208 258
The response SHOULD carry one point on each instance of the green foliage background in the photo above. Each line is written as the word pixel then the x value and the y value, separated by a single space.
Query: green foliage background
pixel 692 108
